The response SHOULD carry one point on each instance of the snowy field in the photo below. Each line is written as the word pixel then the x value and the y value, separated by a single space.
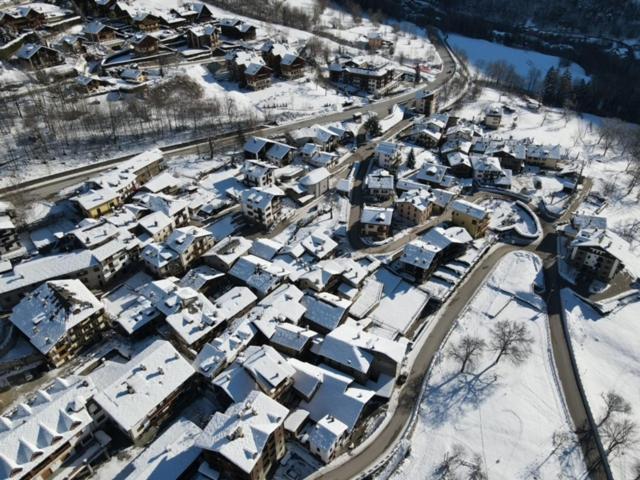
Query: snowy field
pixel 503 415
pixel 482 52
pixel 410 43
pixel 608 358
pixel 283 99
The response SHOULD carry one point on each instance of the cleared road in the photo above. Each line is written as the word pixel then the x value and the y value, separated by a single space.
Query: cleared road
pixel 48 186
pixel 410 392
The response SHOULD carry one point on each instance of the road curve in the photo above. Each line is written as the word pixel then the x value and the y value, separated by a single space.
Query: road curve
pixel 391 432
pixel 47 186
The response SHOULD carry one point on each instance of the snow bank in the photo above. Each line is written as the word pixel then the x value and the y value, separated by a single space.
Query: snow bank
pixel 608 359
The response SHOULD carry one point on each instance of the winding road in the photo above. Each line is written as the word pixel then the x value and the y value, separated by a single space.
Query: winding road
pixel 50 185
pixel 391 432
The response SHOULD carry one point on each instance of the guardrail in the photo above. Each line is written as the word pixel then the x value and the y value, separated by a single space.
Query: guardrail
pixel 593 426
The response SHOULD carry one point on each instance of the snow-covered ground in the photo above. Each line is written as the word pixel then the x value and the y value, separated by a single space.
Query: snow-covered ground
pixel 608 358
pixel 282 100
pixel 579 134
pixel 507 214
pixel 505 414
pixel 482 52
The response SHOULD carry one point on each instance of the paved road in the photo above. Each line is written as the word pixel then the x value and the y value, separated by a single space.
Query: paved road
pixel 48 187
pixel 546 249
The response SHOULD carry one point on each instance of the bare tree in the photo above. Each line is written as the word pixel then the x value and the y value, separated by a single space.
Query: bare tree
pixel 636 471
pixel 618 435
pixel 614 404
pixel 451 462
pixel 512 340
pixel 476 469
pixel 466 351
pixel 455 465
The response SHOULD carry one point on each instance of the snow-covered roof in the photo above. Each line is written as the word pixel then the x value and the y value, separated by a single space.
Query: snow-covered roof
pixel 325 310
pixel 422 251
pixel 148 379
pixel 94 27
pixel 261 275
pixel 387 148
pixel 95 198
pixel 200 30
pixel 292 337
pixel 224 349
pixel 284 303
pixel 331 392
pixel 229 249
pixel 181 239
pixel 159 202
pixel 376 215
pixel 31 432
pixel 261 197
pixel 380 180
pixel 482 163
pixel 241 433
pixel 199 276
pixel 611 243
pixel 589 221
pixel 256 168
pixel 169 455
pixel 235 382
pixel 267 367
pixel 131 74
pixel 544 151
pixel 314 177
pixel 158 255
pixel 278 150
pixel 161 182
pixel 420 199
pixel 295 420
pixel 128 307
pixel 254 68
pixel 369 296
pixel 309 149
pixel 472 209
pixel 40 269
pixel 319 244
pixel 28 50
pixel 91 232
pixel 458 158
pixel 442 198
pixel 290 58
pixel 326 435
pixel 265 248
pixel 46 314
pixel 430 172
pixel 155 222
pixel 199 315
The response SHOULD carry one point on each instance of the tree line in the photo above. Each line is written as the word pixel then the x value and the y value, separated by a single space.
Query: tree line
pixel 53 121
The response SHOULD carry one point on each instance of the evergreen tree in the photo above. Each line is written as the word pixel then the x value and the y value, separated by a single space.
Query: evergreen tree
pixel 565 89
pixel 372 126
pixel 411 159
pixel 550 87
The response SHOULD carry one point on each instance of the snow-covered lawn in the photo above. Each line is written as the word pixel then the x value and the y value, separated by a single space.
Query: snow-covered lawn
pixel 608 358
pixel 283 99
pixel 482 52
pixel 505 414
